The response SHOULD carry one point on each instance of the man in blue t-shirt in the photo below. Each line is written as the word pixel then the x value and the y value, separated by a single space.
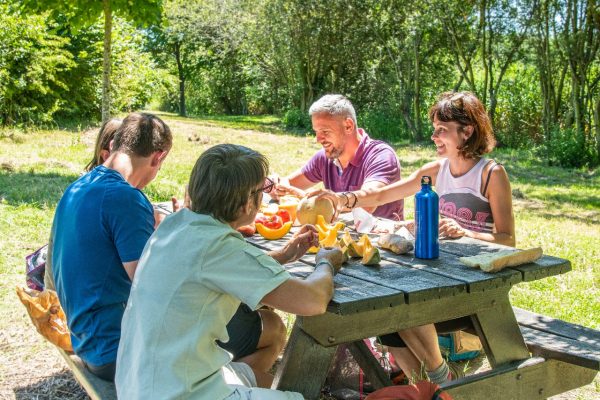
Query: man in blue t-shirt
pixel 101 226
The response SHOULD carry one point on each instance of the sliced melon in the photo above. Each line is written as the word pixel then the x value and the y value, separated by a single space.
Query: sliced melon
pixel 330 240
pixel 321 222
pixel 370 254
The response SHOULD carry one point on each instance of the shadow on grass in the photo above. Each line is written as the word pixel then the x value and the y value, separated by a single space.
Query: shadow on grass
pixel 60 385
pixel 582 200
pixel 35 189
pixel 261 123
pixel 411 164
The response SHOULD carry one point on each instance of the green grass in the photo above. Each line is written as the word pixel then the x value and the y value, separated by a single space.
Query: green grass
pixel 555 208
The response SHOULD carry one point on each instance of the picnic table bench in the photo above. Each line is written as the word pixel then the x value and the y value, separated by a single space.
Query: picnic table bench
pixel 95 387
pixel 404 292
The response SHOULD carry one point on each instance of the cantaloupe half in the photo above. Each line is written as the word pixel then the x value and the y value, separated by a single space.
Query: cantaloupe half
pixel 309 208
pixel 273 234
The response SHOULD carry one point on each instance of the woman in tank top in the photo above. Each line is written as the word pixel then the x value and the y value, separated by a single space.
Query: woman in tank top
pixel 475 201
pixel 475 194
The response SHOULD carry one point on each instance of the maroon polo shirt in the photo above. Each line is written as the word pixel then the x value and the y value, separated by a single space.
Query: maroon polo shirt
pixel 374 160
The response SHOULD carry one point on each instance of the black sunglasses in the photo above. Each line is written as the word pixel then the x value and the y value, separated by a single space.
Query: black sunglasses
pixel 267 187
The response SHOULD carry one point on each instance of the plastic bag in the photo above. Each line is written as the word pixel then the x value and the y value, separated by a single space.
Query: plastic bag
pixel 35 267
pixel 47 316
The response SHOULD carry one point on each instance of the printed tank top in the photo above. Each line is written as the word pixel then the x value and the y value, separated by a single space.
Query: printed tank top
pixel 461 198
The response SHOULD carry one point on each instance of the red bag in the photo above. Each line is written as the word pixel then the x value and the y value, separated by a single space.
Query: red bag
pixel 420 391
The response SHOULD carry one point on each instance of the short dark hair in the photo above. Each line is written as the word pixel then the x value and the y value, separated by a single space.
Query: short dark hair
pixel 142 134
pixel 106 134
pixel 465 109
pixel 224 178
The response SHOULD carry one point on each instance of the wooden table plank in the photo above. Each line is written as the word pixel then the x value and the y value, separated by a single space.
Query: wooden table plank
pixel 419 279
pixel 418 285
pixel 448 266
pixel 542 268
pixel 352 295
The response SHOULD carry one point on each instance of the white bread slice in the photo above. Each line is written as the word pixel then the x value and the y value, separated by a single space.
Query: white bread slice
pixel 493 262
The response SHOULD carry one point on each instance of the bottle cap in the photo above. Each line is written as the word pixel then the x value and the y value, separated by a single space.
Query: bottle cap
pixel 425 180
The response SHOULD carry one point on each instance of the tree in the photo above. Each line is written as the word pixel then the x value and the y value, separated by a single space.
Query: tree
pixel 86 12
pixel 493 36
pixel 313 47
pixel 33 66
pixel 411 38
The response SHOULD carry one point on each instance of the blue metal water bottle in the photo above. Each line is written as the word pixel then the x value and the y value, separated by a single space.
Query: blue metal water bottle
pixel 427 216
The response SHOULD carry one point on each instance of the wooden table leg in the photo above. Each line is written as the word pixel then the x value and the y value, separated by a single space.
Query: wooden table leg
pixel 499 332
pixel 369 364
pixel 304 366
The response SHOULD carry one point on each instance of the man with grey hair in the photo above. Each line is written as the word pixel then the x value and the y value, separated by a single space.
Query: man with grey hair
pixel 350 159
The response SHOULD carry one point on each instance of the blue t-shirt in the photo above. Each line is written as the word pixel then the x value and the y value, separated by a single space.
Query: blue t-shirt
pixel 100 223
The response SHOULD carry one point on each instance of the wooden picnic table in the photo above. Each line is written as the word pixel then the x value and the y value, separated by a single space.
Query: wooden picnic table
pixel 403 292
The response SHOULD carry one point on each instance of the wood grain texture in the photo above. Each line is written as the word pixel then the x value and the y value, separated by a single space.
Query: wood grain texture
pixel 403 292
pixel 95 387
pixel 499 333
pixel 304 365
pixel 542 268
pixel 558 327
pixel 370 366
pixel 531 379
pixel 331 329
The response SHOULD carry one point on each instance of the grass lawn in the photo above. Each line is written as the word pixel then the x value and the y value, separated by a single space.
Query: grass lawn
pixel 555 208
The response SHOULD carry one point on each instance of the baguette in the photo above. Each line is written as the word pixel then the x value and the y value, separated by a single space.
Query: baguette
pixel 494 262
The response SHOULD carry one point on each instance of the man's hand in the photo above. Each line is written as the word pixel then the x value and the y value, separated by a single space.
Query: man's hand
pixel 451 229
pixel 283 188
pixel 297 246
pixel 338 200
pixel 331 254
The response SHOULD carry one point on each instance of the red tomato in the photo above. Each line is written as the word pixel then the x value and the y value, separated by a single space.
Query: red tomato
pixel 285 215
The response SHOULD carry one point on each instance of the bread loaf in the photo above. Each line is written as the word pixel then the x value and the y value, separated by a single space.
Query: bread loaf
pixel 493 262
pixel 395 243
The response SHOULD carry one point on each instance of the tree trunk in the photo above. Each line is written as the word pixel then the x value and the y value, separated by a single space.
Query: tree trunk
pixel 597 126
pixel 417 95
pixel 484 49
pixel 182 110
pixel 106 61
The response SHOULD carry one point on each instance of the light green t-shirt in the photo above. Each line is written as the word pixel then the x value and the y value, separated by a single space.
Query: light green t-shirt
pixel 192 275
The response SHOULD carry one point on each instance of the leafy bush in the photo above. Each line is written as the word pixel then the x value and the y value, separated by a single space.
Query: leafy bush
pixel 296 118
pixel 567 148
pixel 518 121
pixel 383 124
pixel 33 60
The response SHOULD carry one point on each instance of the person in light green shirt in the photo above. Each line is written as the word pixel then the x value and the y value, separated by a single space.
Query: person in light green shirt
pixel 194 272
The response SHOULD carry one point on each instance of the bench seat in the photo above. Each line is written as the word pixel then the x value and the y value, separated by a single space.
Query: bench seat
pixel 95 387
pixel 552 338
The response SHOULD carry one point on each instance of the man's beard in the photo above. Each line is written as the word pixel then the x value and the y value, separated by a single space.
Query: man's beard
pixel 334 154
